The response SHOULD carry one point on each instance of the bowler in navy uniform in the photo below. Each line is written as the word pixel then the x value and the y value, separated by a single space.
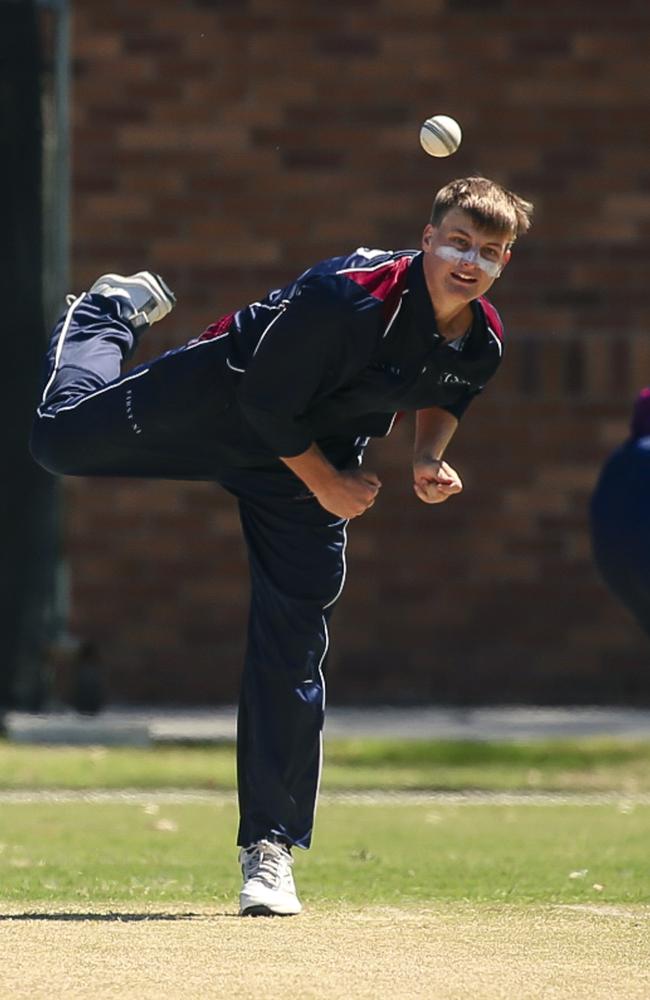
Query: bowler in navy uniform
pixel 276 402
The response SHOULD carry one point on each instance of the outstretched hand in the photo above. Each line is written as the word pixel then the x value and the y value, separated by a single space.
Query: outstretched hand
pixel 434 481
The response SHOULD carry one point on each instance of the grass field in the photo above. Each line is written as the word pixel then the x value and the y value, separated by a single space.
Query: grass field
pixel 404 898
pixel 380 854
pixel 571 765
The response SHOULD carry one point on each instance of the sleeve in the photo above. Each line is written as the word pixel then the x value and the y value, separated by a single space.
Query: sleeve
pixel 300 354
pixel 458 407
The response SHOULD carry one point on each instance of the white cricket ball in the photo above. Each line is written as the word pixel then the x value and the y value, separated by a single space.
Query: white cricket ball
pixel 440 135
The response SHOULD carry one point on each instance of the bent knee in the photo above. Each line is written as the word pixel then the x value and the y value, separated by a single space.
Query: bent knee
pixel 53 450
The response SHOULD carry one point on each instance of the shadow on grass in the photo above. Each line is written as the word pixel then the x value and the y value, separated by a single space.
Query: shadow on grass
pixel 115 917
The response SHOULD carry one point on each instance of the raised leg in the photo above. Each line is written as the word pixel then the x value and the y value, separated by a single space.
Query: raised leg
pixel 158 420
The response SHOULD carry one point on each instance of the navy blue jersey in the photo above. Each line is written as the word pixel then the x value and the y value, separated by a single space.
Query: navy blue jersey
pixel 621 500
pixel 352 341
pixel 620 526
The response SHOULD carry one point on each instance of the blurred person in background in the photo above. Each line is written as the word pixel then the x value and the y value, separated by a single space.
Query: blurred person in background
pixel 620 516
pixel 277 402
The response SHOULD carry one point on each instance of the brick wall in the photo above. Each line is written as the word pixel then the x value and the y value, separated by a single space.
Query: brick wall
pixel 228 145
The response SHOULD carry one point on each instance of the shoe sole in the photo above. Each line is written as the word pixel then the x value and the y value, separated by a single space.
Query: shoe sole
pixel 161 287
pixel 147 279
pixel 259 910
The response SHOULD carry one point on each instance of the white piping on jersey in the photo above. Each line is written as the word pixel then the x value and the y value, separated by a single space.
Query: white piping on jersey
pixel 361 442
pixel 374 267
pixel 60 343
pixel 498 339
pixel 282 309
pixel 91 395
pixel 202 341
pixel 210 340
pixel 390 426
pixel 394 316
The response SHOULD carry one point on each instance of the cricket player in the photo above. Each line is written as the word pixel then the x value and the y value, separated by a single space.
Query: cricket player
pixel 276 402
pixel 620 517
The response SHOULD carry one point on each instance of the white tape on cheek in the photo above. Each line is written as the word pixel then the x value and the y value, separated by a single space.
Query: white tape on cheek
pixel 490 267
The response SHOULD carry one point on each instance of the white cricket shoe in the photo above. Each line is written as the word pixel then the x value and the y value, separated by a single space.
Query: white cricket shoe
pixel 268 889
pixel 144 297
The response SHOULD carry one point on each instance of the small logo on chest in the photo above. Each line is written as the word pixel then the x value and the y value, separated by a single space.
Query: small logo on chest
pixel 450 378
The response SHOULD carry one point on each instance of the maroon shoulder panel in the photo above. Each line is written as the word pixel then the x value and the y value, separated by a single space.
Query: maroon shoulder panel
pixel 492 317
pixel 384 282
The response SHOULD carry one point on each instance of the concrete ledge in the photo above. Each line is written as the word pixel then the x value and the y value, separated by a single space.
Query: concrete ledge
pixel 159 726
pixel 76 730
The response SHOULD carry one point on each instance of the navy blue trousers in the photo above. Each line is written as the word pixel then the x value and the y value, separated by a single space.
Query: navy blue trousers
pixel 174 418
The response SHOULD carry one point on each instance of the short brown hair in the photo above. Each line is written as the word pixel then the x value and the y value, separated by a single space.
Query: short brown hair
pixel 490 205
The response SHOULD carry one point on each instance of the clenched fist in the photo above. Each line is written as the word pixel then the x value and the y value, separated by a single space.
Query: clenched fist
pixel 434 481
pixel 350 493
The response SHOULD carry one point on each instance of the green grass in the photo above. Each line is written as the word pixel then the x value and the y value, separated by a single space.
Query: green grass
pixel 571 765
pixel 107 854
pixel 577 765
pixel 104 854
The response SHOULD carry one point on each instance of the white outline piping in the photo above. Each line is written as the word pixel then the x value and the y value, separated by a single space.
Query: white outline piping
pixel 202 341
pixel 497 338
pixel 383 263
pixel 390 426
pixel 91 395
pixel 320 664
pixel 394 316
pixel 283 309
pixel 59 346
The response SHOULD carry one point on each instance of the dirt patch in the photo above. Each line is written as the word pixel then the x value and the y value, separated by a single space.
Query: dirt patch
pixel 450 952
pixel 375 797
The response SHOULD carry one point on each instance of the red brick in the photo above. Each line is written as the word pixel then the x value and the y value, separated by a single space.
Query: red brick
pixel 231 146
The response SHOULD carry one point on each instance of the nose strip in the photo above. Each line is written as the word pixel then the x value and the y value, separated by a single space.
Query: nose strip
pixel 471 256
pixel 489 267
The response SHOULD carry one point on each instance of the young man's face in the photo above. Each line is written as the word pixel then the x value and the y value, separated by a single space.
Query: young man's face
pixel 460 260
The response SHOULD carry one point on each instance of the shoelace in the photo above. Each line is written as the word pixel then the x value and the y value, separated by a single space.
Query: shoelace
pixel 265 861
